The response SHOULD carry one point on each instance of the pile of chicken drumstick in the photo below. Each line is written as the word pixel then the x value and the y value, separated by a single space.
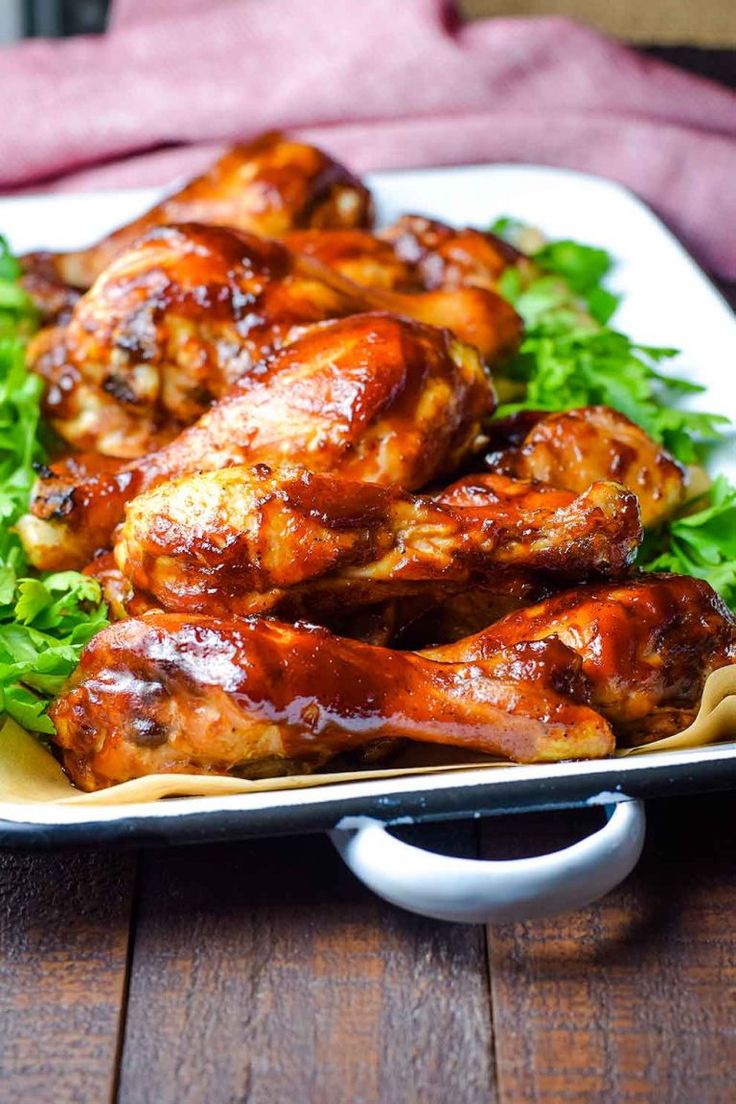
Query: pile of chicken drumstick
pixel 280 463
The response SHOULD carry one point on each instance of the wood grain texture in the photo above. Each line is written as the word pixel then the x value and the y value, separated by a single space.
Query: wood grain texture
pixel 63 941
pixel 264 973
pixel 633 998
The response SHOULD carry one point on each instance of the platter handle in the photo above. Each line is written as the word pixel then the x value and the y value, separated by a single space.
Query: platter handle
pixel 476 891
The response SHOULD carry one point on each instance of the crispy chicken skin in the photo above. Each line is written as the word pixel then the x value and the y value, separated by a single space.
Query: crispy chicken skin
pixel 594 442
pixel 252 697
pixel 375 397
pixel 251 540
pixel 267 187
pixel 181 315
pixel 647 646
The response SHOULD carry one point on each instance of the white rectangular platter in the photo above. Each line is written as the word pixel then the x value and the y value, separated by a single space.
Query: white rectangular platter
pixel 667 301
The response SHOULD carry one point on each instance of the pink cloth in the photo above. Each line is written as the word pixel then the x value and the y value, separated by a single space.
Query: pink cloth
pixel 379 83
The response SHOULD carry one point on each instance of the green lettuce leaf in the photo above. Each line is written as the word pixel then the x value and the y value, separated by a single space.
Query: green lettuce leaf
pixel 702 543
pixel 571 357
pixel 45 620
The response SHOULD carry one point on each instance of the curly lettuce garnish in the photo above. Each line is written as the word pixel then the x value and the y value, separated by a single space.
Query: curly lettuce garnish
pixel 571 357
pixel 45 620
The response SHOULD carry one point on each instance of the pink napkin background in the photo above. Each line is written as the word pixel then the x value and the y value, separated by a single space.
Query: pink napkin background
pixel 378 83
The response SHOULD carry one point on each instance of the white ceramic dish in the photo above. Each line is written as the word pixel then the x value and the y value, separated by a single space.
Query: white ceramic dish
pixel 668 301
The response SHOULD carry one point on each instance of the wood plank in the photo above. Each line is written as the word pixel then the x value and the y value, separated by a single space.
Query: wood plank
pixel 264 972
pixel 63 941
pixel 633 998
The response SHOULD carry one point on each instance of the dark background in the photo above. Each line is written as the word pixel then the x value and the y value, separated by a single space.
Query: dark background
pixel 51 18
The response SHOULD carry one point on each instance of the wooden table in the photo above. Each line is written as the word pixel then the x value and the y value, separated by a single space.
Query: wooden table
pixel 263 973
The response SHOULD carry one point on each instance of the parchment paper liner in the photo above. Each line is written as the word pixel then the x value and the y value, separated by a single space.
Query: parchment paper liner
pixel 29 773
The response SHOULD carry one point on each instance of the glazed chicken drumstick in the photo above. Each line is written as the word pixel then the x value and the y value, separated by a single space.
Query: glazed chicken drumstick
pixel 569 450
pixel 250 540
pixel 254 698
pixel 646 646
pixel 372 396
pixel 572 449
pixel 166 329
pixel 413 254
pixel 177 318
pixel 267 187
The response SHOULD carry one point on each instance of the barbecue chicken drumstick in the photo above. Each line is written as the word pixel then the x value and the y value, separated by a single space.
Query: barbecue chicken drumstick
pixel 267 187
pixel 412 255
pixel 251 540
pixel 372 396
pixel 646 646
pixel 254 698
pixel 569 450
pixel 165 331
pixel 574 448
pixel 180 316
pixel 442 257
pixel 359 255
